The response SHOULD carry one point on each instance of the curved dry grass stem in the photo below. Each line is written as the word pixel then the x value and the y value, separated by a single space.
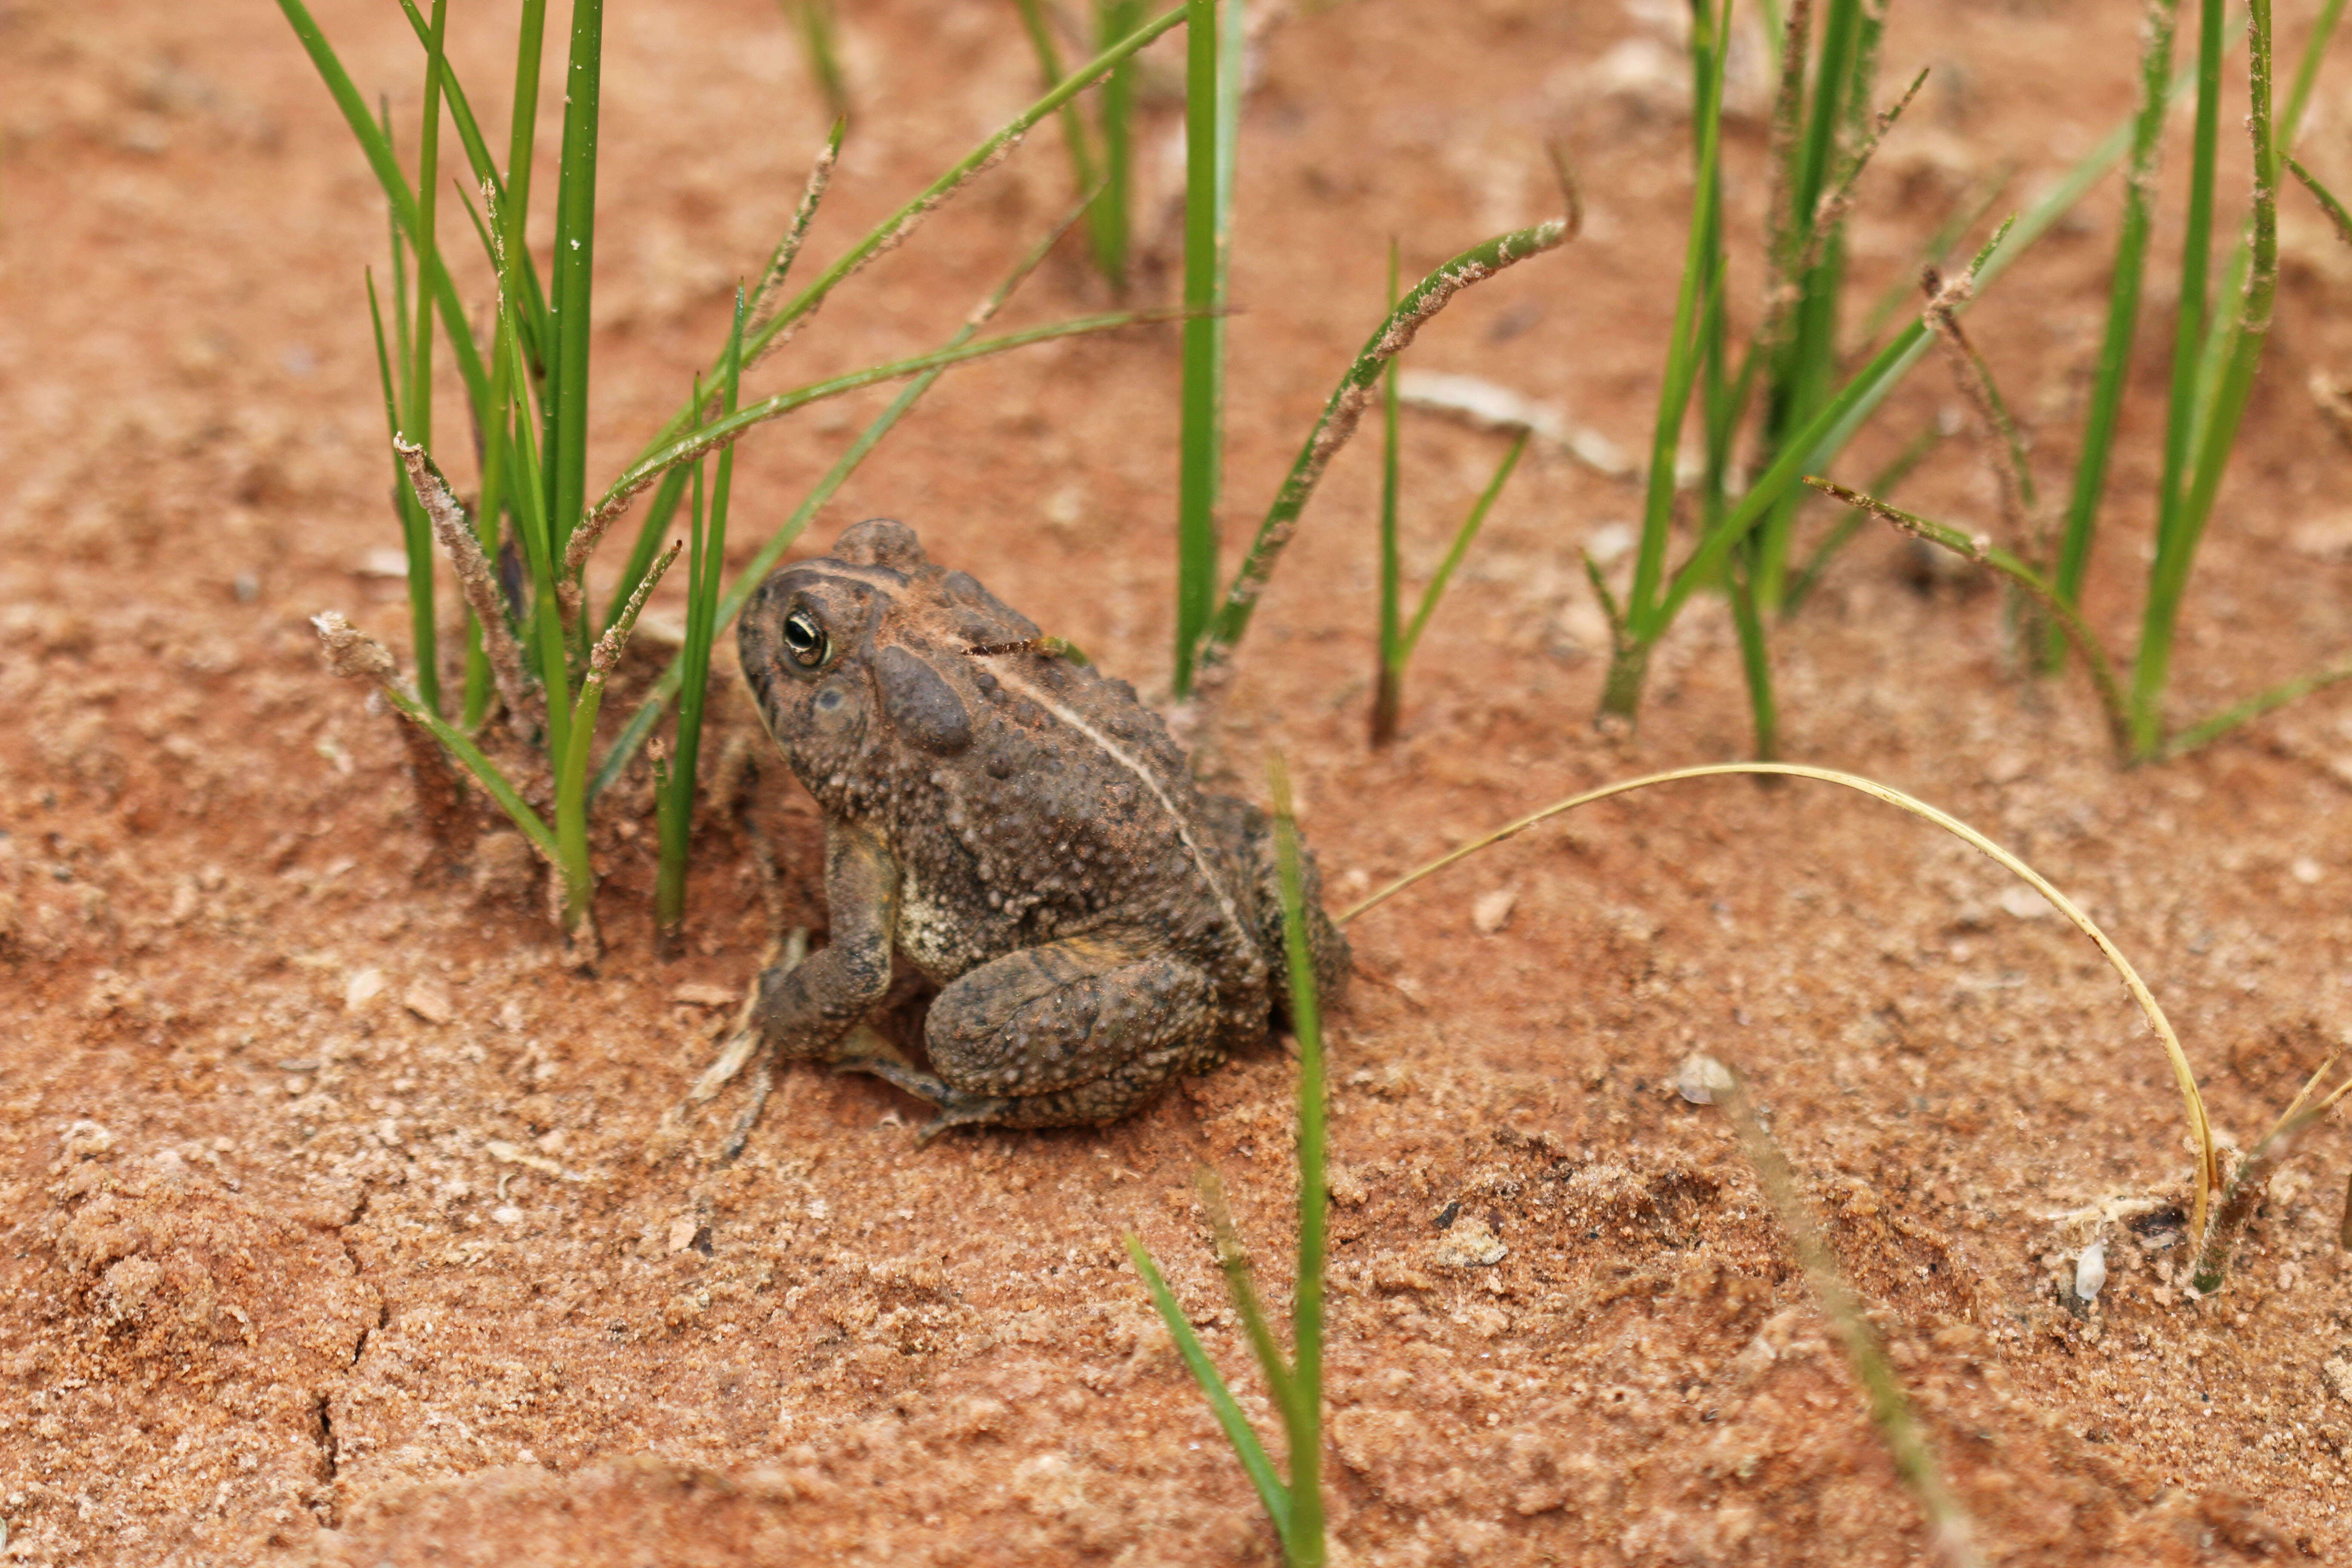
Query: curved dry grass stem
pixel 2185 1075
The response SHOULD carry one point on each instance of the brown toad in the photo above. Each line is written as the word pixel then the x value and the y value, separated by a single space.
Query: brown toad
pixel 1019 829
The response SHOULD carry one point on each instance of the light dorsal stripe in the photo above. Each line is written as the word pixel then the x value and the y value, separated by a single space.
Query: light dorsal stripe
pixel 1112 750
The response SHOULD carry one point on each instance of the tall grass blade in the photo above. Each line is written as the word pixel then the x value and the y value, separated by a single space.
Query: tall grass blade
pixel 1386 692
pixel 1304 1536
pixel 566 413
pixel 2196 265
pixel 515 200
pixel 705 567
pixel 2123 319
pixel 1463 536
pixel 1686 354
pixel 417 416
pixel 1115 204
pixel 1201 435
pixel 2183 527
pixel 477 151
pixel 572 768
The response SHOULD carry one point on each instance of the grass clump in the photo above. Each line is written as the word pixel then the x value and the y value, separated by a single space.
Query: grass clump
pixel 1790 400
pixel 2216 353
pixel 540 653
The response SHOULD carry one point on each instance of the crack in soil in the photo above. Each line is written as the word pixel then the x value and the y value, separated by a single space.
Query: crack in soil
pixel 328 1507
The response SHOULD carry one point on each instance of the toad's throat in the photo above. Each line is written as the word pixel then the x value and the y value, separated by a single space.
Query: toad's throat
pixel 1119 754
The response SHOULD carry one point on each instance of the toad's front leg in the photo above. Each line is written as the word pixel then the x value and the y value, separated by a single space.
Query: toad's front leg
pixel 805 1009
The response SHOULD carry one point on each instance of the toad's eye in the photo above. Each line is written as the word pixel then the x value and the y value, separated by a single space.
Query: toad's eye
pixel 804 639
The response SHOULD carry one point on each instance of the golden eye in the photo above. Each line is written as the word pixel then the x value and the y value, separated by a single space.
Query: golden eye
pixel 804 639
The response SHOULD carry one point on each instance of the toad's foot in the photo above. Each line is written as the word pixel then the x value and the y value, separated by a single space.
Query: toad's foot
pixel 957 1107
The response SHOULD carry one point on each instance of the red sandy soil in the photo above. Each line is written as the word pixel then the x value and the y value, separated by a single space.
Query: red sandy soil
pixel 268 1294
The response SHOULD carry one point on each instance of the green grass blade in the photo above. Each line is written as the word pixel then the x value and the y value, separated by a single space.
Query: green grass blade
pixel 416 531
pixel 461 746
pixel 2123 319
pixel 2175 548
pixel 2182 415
pixel 2307 73
pixel 1345 409
pixel 566 441
pixel 572 768
pixel 546 641
pixel 417 417
pixel 1271 1493
pixel 515 204
pixel 1386 695
pixel 1114 205
pixel 1685 348
pixel 477 156
pixel 1460 547
pixel 1304 1535
pixel 2220 724
pixel 707 565
pixel 1201 435
pixel 1755 656
pixel 1233 1259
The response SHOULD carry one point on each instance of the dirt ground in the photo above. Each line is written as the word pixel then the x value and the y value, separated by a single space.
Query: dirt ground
pixel 327 1234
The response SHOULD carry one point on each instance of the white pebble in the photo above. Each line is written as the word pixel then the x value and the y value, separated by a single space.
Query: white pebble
pixel 1701 1078
pixel 2091 1271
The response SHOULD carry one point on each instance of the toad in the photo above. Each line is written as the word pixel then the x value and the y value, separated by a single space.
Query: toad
pixel 1020 832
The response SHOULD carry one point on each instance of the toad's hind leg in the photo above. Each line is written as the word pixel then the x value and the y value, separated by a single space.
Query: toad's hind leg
pixel 1068 1034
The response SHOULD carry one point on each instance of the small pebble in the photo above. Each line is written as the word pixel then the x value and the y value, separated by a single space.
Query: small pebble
pixel 1492 912
pixel 2091 1271
pixel 363 988
pixel 1701 1078
pixel 1468 1243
